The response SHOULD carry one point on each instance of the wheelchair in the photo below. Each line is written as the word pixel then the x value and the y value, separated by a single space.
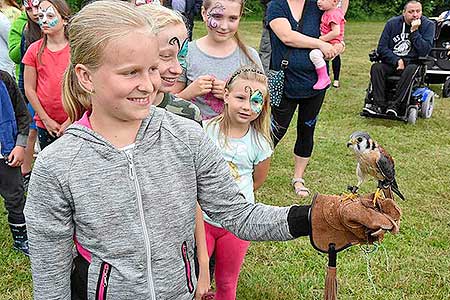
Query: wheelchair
pixel 418 101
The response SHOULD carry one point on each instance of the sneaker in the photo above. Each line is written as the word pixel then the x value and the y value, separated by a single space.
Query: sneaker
pixel 336 84
pixel 391 112
pixel 26 180
pixel 372 109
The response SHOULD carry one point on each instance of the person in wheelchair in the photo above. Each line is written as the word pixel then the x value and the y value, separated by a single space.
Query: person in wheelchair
pixel 405 38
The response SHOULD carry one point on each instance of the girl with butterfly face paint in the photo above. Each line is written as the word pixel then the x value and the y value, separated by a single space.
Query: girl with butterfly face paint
pixel 45 62
pixel 212 58
pixel 242 134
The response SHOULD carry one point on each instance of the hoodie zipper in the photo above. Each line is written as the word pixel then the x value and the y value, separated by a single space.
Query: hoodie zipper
pixel 132 174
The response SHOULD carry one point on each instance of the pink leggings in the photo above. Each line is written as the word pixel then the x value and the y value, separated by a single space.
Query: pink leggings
pixel 229 253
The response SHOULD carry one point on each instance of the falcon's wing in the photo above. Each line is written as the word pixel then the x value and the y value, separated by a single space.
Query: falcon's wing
pixel 385 165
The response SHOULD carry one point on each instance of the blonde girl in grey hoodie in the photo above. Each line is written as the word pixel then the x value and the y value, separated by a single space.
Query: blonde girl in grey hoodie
pixel 122 183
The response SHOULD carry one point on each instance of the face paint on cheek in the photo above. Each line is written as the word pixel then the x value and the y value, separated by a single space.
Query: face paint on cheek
pixel 48 16
pixel 214 15
pixel 257 101
pixel 182 54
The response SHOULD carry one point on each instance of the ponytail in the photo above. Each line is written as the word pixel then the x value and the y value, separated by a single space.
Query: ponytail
pixel 244 48
pixel 76 100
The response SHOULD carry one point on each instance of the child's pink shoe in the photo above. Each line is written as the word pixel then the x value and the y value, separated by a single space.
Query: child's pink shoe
pixel 323 80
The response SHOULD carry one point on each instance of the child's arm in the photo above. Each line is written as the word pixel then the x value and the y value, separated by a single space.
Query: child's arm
pixel 30 79
pixel 203 283
pixel 23 120
pixel 260 172
pixel 334 33
pixel 50 231
pixel 15 38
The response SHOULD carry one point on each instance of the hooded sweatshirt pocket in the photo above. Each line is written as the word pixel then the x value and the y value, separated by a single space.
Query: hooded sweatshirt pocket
pixel 187 267
pixel 103 280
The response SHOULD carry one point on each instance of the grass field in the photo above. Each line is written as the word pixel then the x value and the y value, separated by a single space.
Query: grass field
pixel 415 264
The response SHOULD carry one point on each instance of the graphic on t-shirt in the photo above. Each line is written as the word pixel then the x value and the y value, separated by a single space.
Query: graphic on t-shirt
pixel 234 171
pixel 402 48
pixel 215 104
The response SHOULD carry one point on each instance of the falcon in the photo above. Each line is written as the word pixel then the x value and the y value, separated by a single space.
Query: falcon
pixel 373 160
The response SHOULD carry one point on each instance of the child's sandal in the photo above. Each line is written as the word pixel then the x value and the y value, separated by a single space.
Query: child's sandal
pixel 300 191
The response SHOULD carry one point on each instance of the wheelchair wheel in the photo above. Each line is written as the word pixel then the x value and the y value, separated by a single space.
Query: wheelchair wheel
pixel 446 88
pixel 426 107
pixel 412 115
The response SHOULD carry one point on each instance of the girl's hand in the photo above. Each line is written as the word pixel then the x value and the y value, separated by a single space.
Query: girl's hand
pixel 218 88
pixel 16 156
pixel 63 127
pixel 328 50
pixel 203 284
pixel 202 85
pixel 52 126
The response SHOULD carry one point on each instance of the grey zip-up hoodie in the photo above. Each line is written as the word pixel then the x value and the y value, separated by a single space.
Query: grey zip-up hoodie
pixel 136 215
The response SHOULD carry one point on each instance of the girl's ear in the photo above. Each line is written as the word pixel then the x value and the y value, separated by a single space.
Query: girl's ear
pixel 204 16
pixel 84 78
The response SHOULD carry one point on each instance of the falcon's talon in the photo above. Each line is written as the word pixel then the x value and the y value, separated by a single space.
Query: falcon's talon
pixel 378 195
pixel 349 196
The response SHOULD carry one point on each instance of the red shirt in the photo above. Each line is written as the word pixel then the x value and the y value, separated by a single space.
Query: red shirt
pixel 50 73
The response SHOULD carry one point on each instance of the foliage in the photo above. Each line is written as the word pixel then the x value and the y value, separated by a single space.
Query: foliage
pixel 381 9
pixel 412 265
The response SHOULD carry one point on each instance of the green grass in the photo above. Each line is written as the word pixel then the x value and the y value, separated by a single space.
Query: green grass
pixel 412 265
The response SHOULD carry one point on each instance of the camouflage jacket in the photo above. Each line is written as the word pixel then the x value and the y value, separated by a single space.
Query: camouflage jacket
pixel 181 107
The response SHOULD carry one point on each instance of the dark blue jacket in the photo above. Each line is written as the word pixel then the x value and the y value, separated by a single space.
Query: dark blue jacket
pixel 397 42
pixel 14 117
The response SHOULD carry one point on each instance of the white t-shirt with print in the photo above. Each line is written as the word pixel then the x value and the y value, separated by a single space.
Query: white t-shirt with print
pixel 242 155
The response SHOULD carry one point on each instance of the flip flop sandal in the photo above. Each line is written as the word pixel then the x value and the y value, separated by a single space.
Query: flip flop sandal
pixel 300 190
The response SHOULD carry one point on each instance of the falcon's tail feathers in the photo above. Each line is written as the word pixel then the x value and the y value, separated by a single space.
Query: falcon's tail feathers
pixel 396 190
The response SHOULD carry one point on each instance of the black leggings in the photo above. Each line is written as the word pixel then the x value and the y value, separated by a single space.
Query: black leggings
pixel 308 112
pixel 336 64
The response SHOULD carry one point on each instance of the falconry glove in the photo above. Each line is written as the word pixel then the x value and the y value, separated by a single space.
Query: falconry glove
pixel 351 222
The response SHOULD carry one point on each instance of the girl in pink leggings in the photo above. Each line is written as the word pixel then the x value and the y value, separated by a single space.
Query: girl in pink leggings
pixel 242 133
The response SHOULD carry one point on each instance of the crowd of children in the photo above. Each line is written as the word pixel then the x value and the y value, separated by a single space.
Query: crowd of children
pixel 126 183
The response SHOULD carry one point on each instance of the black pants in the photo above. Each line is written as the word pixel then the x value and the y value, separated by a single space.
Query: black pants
pixel 308 111
pixel 44 138
pixel 336 65
pixel 378 74
pixel 11 189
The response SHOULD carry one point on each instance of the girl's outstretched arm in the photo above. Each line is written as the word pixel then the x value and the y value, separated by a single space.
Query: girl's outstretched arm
pixel 203 283
pixel 260 172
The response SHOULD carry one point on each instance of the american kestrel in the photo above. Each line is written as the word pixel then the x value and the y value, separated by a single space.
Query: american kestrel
pixel 373 160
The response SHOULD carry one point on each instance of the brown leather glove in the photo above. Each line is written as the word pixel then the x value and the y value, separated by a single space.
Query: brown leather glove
pixel 351 222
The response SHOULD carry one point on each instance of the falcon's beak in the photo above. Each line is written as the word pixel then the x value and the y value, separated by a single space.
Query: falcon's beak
pixel 351 143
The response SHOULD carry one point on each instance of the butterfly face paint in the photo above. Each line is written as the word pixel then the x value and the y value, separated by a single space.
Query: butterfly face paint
pixel 48 17
pixel 182 54
pixel 28 4
pixel 257 101
pixel 214 15
pixel 142 2
pixel 182 50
